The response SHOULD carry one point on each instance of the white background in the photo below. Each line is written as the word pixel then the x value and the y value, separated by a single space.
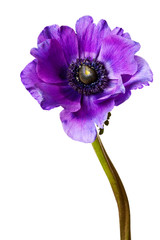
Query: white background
pixel 52 187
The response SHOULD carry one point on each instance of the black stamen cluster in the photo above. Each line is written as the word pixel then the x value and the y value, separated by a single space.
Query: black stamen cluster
pixel 87 89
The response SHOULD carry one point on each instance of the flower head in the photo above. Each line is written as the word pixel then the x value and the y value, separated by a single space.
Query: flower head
pixel 87 72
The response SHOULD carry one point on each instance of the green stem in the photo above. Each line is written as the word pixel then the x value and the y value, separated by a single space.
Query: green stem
pixel 117 187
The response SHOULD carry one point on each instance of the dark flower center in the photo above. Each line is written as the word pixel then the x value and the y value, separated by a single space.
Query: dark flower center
pixel 87 76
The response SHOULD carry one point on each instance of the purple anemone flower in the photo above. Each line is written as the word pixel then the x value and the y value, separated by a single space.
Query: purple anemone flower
pixel 87 72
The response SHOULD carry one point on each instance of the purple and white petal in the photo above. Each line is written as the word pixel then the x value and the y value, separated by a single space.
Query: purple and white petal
pixel 97 110
pixel 84 29
pixel 117 54
pixel 114 87
pixel 79 129
pixel 90 36
pixel 80 125
pixel 69 43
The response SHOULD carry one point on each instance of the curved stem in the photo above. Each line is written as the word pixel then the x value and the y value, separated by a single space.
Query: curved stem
pixel 117 187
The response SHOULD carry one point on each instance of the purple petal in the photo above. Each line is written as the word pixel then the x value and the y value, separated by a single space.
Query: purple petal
pixel 120 32
pixel 102 31
pixel 117 53
pixel 49 32
pixel 29 78
pixel 97 110
pixel 61 95
pixel 142 77
pixel 81 130
pixel 69 43
pixel 84 29
pixel 126 35
pixel 82 24
pixel 52 66
pixel 80 125
pixel 114 87
pixel 120 98
pixel 49 95
pixel 31 81
pixel 65 36
pixel 90 36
